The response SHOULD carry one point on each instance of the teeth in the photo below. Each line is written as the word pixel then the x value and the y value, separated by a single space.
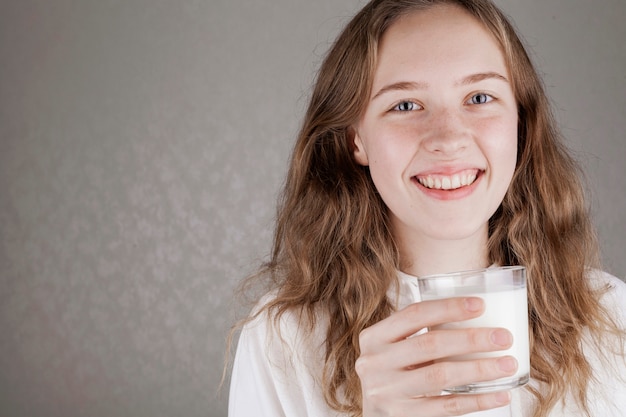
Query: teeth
pixel 448 183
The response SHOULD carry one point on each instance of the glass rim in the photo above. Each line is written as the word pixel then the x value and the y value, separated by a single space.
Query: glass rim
pixel 456 274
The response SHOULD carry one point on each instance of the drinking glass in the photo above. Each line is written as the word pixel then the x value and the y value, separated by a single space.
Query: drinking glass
pixel 504 291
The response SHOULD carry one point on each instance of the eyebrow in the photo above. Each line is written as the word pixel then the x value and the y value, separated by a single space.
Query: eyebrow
pixel 400 86
pixel 411 85
pixel 474 78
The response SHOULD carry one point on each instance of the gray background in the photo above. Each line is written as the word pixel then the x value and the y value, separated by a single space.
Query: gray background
pixel 142 146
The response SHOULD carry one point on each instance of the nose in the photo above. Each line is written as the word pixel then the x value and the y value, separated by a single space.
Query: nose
pixel 447 134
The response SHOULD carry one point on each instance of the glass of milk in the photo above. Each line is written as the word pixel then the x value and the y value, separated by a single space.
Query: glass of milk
pixel 504 291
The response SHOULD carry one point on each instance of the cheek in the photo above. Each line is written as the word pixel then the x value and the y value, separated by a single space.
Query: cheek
pixel 504 151
pixel 390 146
pixel 509 143
pixel 501 139
pixel 388 160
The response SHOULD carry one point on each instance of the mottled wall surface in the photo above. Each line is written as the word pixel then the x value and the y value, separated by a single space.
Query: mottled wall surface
pixel 142 147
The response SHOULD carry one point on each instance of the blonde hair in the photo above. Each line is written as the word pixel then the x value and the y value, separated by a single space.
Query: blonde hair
pixel 333 250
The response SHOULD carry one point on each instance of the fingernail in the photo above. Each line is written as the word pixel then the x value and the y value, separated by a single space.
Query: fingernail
pixel 503 397
pixel 473 304
pixel 502 337
pixel 507 364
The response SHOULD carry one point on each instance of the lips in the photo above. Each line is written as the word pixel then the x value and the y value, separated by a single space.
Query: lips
pixel 448 182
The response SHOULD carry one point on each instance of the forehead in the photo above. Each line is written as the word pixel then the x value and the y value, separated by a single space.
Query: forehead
pixel 442 36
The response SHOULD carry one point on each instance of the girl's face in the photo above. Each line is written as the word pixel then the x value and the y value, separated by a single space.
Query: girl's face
pixel 440 130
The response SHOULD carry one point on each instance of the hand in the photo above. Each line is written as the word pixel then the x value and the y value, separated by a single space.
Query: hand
pixel 401 373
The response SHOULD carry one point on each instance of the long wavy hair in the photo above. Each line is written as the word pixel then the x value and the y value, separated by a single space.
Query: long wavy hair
pixel 334 254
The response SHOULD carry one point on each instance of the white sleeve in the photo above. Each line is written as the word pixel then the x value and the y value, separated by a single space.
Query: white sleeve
pixel 607 394
pixel 277 375
pixel 252 389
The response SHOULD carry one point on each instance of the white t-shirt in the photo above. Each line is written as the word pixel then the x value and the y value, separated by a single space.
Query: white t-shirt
pixel 281 375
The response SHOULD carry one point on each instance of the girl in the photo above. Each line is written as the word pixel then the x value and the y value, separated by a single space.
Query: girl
pixel 428 147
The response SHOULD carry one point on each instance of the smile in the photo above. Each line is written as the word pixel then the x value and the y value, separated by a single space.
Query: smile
pixel 448 182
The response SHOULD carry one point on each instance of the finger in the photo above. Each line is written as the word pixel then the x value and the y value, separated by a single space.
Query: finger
pixel 439 405
pixel 434 377
pixel 418 316
pixel 442 375
pixel 456 405
pixel 438 344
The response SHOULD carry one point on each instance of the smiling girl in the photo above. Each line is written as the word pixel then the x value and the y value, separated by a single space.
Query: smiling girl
pixel 428 147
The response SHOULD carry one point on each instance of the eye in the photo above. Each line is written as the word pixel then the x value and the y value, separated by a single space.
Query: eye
pixel 480 98
pixel 406 106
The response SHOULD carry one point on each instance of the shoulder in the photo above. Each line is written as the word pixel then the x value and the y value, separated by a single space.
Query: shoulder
pixel 277 368
pixel 613 293
pixel 289 329
pixel 600 277
pixel 278 340
pixel 607 358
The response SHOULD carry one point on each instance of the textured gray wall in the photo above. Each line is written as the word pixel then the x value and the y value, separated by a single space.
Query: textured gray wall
pixel 142 146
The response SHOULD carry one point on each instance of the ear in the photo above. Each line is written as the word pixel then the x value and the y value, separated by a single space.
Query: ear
pixel 358 150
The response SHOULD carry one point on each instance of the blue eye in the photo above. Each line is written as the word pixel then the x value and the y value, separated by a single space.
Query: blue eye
pixel 406 106
pixel 481 98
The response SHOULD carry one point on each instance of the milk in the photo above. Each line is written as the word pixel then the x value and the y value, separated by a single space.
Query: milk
pixel 508 309
pixel 503 290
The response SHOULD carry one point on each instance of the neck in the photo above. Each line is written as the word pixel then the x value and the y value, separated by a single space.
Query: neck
pixel 420 256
